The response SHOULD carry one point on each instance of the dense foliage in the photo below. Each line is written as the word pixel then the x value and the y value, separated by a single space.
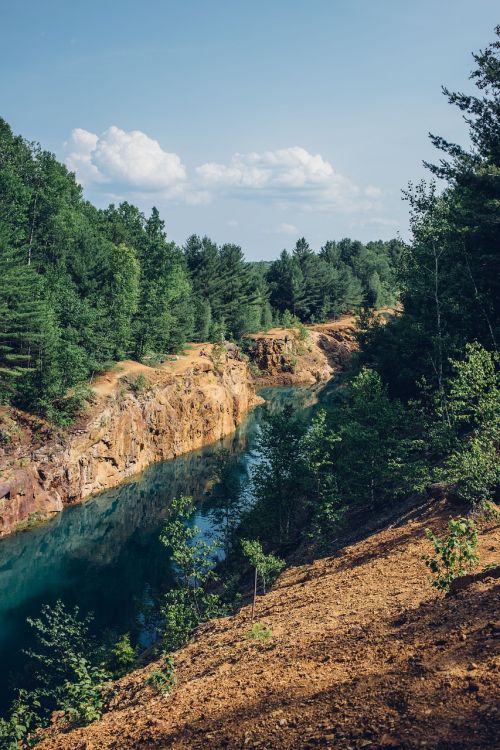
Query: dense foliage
pixel 82 287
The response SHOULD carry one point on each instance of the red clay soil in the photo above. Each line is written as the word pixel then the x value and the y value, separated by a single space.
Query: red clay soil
pixel 364 654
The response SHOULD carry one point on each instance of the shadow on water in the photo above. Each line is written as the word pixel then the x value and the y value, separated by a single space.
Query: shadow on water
pixel 104 555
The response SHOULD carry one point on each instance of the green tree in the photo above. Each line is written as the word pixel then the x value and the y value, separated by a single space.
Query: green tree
pixel 123 291
pixel 377 457
pixel 280 480
pixel 190 604
pixel 473 408
pixel 267 567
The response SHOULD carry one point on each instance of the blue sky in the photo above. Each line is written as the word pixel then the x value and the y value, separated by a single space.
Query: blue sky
pixel 252 122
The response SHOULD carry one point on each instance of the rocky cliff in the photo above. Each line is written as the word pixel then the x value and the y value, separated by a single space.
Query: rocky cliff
pixel 302 355
pixel 140 415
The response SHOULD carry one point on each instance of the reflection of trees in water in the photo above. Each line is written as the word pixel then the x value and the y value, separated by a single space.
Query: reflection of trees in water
pixel 104 554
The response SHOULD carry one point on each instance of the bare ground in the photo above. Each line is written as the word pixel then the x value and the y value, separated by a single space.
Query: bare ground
pixel 364 654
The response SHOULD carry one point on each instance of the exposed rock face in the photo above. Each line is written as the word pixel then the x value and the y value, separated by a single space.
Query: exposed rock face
pixel 191 401
pixel 282 356
pixel 180 410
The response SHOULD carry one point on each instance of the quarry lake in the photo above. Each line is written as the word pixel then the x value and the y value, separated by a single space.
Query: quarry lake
pixel 104 555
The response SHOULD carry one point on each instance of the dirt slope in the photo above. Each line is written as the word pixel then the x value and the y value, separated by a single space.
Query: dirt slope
pixel 364 654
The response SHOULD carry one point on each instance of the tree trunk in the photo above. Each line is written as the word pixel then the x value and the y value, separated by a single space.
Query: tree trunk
pixel 254 594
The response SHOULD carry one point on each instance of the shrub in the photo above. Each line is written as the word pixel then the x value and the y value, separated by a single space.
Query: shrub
pixel 23 720
pixel 260 632
pixel 82 697
pixel 303 332
pixel 474 417
pixel 474 468
pixel 189 604
pixel 218 354
pixel 163 680
pixel 122 656
pixel 139 384
pixel 455 554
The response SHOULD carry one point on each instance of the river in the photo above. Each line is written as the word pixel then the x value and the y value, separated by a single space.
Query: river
pixel 104 554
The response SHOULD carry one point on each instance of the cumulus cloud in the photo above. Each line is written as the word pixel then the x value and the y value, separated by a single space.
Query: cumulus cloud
pixel 79 148
pixel 288 167
pixel 129 159
pixel 286 175
pixel 134 165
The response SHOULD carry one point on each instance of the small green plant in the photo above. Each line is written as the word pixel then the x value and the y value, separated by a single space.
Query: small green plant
pixel 23 720
pixel 455 554
pixel 260 632
pixel 303 332
pixel 254 370
pixel 218 354
pixel 268 567
pixel 82 697
pixel 139 384
pixel 122 656
pixel 163 680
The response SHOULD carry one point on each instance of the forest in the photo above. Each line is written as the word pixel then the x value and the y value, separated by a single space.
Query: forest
pixel 82 287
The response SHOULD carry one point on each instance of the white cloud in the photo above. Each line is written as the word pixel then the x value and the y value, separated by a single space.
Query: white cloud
pixel 287 175
pixel 285 228
pixel 128 159
pixel 79 148
pixel 134 166
pixel 288 167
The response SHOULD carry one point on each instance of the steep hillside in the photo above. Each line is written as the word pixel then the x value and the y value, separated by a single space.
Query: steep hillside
pixel 364 654
pixel 174 408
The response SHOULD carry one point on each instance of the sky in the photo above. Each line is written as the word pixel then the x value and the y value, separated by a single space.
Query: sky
pixel 252 122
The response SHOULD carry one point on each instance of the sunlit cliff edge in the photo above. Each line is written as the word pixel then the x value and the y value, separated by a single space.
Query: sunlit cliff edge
pixel 187 402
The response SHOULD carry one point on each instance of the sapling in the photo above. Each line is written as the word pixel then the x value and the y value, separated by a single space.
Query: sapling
pixel 267 567
pixel 456 553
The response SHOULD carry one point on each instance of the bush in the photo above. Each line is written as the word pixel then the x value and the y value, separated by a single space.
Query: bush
pixel 217 354
pixel 260 632
pixel 139 384
pixel 473 407
pixel 82 697
pixel 303 332
pixel 163 680
pixel 122 657
pixel 23 720
pixel 456 553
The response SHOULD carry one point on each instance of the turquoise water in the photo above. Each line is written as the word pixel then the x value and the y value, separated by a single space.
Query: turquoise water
pixel 104 554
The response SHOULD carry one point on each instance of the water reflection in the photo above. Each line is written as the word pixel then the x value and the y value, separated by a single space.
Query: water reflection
pixel 104 554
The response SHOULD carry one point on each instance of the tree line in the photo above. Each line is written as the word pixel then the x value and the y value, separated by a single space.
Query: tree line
pixel 81 288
